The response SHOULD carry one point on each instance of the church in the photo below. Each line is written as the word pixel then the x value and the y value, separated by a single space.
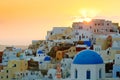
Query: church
pixel 87 65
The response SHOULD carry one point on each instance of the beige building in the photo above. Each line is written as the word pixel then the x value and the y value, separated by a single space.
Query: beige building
pixel 71 51
pixel 6 73
pixel 18 65
pixel 59 33
pixel 13 67
pixel 108 40
pixel 108 55
pixel 59 55
pixel 96 25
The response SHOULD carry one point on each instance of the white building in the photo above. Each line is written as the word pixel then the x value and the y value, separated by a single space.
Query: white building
pixel 85 30
pixel 27 55
pixel 51 74
pixel 42 59
pixel 82 35
pixel 28 75
pixel 40 53
pixel 116 66
pixel 10 53
pixel 87 65
pixel 81 31
pixel 66 66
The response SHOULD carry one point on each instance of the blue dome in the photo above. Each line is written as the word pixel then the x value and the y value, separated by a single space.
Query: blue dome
pixel 87 57
pixel 40 52
pixel 88 43
pixel 47 58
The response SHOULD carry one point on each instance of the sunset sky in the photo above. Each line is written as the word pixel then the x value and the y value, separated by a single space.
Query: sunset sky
pixel 22 21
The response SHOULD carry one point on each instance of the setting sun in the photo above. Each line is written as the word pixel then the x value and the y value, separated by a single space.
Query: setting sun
pixel 87 19
pixel 86 15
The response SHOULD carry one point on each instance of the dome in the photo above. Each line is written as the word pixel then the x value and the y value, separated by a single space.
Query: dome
pixel 40 52
pixel 87 57
pixel 47 58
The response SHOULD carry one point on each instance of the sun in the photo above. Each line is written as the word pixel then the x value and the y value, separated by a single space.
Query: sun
pixel 87 19
pixel 82 19
pixel 86 15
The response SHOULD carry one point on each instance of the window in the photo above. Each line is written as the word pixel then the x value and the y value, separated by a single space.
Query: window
pixel 90 27
pixel 118 74
pixel 62 29
pixel 94 30
pixel 97 30
pixel 7 57
pixel 76 33
pixel 1 77
pixel 51 33
pixel 14 53
pixel 97 49
pixel 88 74
pixel 80 27
pixel 95 24
pixel 83 36
pixel 7 76
pixel 108 52
pixel 76 74
pixel 79 37
pixel 117 57
pixel 4 55
pixel 50 76
pixel 73 50
pixel 63 37
pixel 7 71
pixel 100 76
pixel 14 65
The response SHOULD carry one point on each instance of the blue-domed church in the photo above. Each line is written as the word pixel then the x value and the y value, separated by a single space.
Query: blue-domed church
pixel 87 65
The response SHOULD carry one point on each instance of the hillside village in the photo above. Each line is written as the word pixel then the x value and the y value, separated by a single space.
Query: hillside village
pixel 84 51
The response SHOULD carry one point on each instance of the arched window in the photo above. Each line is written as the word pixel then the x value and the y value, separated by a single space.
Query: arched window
pixel 88 74
pixel 76 74
pixel 100 72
